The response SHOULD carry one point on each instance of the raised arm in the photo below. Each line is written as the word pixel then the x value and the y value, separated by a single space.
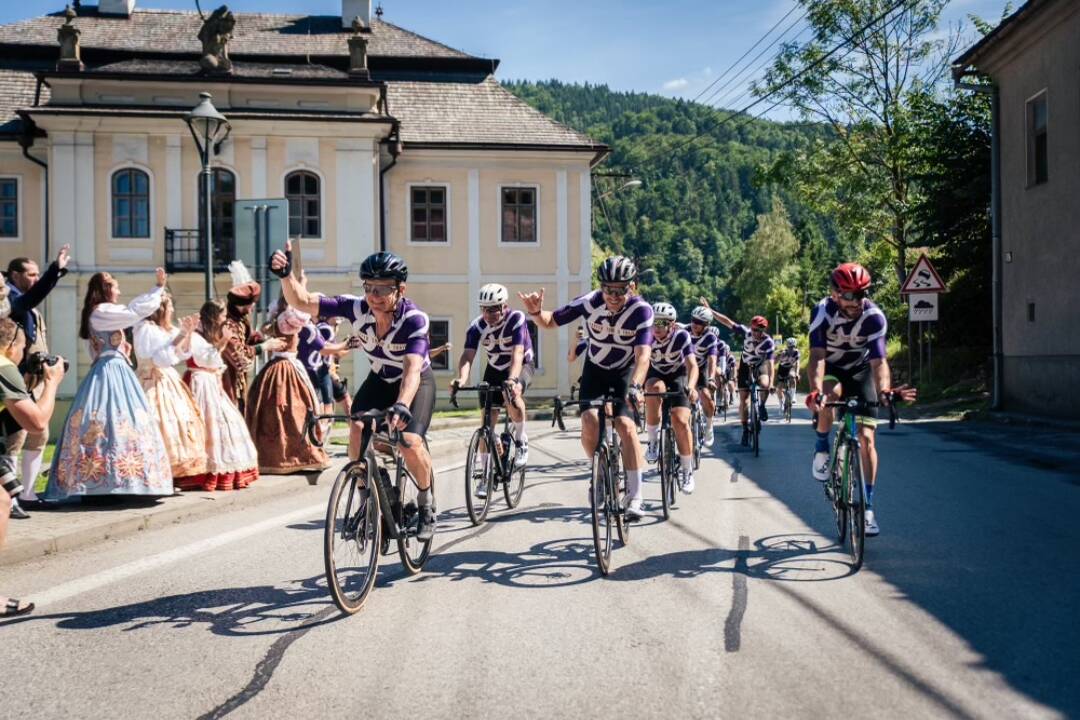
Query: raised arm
pixel 296 294
pixel 718 316
pixel 534 306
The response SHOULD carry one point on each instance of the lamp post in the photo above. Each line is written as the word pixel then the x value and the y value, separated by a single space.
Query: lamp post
pixel 210 129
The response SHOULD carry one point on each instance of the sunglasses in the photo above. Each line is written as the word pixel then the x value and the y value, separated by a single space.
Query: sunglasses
pixel 379 290
pixel 850 296
pixel 615 290
pixel 757 329
pixel 662 323
pixel 492 309
pixel 697 322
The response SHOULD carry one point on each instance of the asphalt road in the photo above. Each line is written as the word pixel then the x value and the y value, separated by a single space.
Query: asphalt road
pixel 739 606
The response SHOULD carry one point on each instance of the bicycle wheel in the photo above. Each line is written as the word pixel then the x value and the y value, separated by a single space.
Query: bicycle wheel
pixel 351 539
pixel 697 424
pixel 602 519
pixel 856 514
pixel 478 475
pixel 413 552
pixel 838 491
pixel 788 398
pixel 514 486
pixel 755 427
pixel 617 493
pixel 666 478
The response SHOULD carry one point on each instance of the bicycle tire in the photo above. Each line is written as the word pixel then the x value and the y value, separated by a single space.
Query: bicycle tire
pixel 600 505
pixel 478 507
pixel 856 514
pixel 350 583
pixel 617 494
pixel 414 553
pixel 697 423
pixel 664 468
pixel 755 426
pixel 839 491
pixel 514 487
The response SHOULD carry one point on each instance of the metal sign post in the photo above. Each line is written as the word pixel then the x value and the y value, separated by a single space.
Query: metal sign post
pixel 923 287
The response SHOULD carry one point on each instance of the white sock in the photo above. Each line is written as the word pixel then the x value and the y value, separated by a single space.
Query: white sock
pixel 31 468
pixel 708 421
pixel 633 484
pixel 686 462
pixel 483 458
pixel 519 433
pixel 654 432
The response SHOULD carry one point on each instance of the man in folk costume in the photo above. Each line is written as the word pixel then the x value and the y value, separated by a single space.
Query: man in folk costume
pixel 239 354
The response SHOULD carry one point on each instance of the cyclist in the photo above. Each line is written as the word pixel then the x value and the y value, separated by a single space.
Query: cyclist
pixel 393 333
pixel 757 357
pixel 673 366
pixel 505 337
pixel 847 359
pixel 706 352
pixel 787 368
pixel 619 328
pixel 725 365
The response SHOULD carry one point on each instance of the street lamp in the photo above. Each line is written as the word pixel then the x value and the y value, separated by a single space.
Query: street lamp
pixel 210 129
pixel 625 186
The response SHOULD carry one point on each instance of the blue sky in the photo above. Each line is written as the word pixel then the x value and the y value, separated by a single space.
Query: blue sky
pixel 672 47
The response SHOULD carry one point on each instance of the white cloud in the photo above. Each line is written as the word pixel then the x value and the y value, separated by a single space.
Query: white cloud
pixel 676 84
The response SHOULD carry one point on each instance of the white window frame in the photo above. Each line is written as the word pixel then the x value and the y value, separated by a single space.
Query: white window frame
pixel 151 198
pixel 449 338
pixel 322 197
pixel 1029 140
pixel 449 241
pixel 499 204
pixel 20 216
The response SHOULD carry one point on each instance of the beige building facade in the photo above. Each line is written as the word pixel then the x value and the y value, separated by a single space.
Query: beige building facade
pixel 415 149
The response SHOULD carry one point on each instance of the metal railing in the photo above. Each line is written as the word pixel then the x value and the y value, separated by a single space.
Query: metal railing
pixel 185 251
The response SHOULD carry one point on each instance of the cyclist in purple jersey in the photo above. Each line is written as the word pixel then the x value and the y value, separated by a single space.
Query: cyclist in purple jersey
pixel 673 366
pixel 787 367
pixel 315 350
pixel 393 333
pixel 619 328
pixel 504 335
pixel 707 353
pixel 756 358
pixel 847 359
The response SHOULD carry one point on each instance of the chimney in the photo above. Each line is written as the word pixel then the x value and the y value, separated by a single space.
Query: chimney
pixel 116 7
pixel 352 9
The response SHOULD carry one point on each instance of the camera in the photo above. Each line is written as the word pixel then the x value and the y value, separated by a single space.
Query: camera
pixel 8 479
pixel 36 362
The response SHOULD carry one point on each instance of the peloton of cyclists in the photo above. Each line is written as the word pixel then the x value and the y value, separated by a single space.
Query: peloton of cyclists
pixel 619 327
pixel 847 359
pixel 673 367
pixel 706 351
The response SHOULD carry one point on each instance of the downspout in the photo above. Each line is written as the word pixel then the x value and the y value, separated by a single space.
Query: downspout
pixel 26 141
pixel 393 146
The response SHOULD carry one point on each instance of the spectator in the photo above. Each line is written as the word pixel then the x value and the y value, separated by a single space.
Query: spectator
pixel 29 414
pixel 28 288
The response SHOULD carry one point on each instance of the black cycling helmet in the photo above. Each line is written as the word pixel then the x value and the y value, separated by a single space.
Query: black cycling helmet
pixel 384 266
pixel 617 269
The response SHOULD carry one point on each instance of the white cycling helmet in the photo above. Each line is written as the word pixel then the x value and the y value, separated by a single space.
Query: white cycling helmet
pixel 493 294
pixel 714 330
pixel 791 342
pixel 664 311
pixel 702 314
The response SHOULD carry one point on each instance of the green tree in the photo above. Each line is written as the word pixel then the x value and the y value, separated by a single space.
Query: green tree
pixel 766 257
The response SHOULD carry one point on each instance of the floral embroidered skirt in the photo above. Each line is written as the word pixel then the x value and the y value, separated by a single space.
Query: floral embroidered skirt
pixel 110 443
pixel 231 460
pixel 179 420
pixel 277 408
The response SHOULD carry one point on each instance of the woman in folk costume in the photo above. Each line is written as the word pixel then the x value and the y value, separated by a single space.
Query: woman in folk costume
pixel 231 460
pixel 243 346
pixel 280 399
pixel 110 443
pixel 159 345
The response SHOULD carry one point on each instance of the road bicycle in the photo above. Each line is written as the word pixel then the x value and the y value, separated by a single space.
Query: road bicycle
pixel 490 462
pixel 753 413
pixel 360 525
pixel 668 457
pixel 698 427
pixel 607 481
pixel 845 487
pixel 787 396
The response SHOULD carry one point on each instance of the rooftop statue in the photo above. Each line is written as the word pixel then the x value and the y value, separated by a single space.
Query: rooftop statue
pixel 215 35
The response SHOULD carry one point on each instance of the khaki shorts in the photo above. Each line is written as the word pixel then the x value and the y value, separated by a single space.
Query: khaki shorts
pixel 23 440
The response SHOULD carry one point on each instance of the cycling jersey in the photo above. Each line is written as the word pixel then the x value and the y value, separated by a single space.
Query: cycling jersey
pixel 723 353
pixel 308 350
pixel 848 344
pixel 754 351
pixel 705 345
pixel 408 333
pixel 788 357
pixel 500 340
pixel 581 347
pixel 669 355
pixel 612 336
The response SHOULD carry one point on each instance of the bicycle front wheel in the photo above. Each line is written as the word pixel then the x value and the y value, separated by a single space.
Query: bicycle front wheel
pixel 697 423
pixel 602 520
pixel 514 487
pixel 755 427
pixel 479 477
pixel 413 551
pixel 351 538
pixel 666 477
pixel 856 511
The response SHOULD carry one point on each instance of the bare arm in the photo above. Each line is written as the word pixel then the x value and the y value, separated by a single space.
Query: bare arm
pixel 691 371
pixel 464 365
pixel 517 359
pixel 718 316
pixel 296 294
pixel 534 306
pixel 642 357
pixel 815 370
pixel 410 378
pixel 882 375
pixel 711 364
pixel 34 416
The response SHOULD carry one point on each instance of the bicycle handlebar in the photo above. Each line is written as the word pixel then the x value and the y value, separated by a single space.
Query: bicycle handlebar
pixel 858 403
pixel 392 436
pixel 560 404
pixel 479 387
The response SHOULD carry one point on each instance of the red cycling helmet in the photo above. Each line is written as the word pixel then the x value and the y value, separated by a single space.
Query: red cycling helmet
pixel 850 277
pixel 759 321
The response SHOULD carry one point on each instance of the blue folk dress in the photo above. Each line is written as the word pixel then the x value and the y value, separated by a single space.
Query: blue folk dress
pixel 110 443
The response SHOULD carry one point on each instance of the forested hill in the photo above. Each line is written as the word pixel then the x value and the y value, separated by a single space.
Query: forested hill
pixel 699 203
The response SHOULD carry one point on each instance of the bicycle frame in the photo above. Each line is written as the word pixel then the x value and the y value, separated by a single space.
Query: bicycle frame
pixel 504 461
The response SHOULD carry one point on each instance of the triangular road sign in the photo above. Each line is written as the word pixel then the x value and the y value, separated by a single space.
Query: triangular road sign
pixel 923 278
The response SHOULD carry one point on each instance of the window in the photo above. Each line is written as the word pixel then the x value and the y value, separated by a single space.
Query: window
pixel 428 214
pixel 130 204
pixel 9 207
pixel 519 215
pixel 534 335
pixel 222 199
pixel 305 205
pixel 438 335
pixel 1038 152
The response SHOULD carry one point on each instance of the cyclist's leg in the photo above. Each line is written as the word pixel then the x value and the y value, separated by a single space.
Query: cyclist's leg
pixel 653 383
pixel 743 382
pixel 373 394
pixel 623 421
pixel 867 420
pixel 708 405
pixel 416 456
pixel 592 386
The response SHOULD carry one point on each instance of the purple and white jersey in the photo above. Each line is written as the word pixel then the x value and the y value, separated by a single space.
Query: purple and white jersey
pixel 723 353
pixel 500 340
pixel 408 333
pixel 581 347
pixel 788 357
pixel 754 352
pixel 705 345
pixel 669 355
pixel 308 350
pixel 848 344
pixel 612 337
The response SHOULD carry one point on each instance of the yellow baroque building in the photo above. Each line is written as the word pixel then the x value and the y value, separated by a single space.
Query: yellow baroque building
pixel 376 136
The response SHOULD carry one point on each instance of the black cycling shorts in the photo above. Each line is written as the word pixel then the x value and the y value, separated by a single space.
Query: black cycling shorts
pixel 783 372
pixel 857 382
pixel 672 381
pixel 494 376
pixel 742 375
pixel 596 382
pixel 340 388
pixel 377 394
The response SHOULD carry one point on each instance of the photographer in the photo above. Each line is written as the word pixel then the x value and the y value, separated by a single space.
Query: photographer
pixel 27 415
pixel 28 288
